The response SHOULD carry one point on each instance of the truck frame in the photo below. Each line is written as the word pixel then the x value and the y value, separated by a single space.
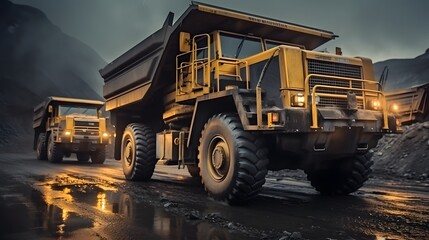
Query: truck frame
pixel 63 126
pixel 238 95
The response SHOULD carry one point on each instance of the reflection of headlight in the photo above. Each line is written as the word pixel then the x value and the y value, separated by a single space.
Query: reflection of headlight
pixel 105 134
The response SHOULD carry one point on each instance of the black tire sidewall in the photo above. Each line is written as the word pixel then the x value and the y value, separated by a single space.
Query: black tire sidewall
pixel 41 150
pixel 128 169
pixel 82 157
pixel 218 189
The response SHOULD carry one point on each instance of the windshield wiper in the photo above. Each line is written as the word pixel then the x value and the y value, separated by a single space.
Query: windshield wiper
pixel 240 46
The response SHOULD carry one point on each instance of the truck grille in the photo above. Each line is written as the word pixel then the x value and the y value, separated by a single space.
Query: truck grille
pixel 338 70
pixel 87 132
pixel 86 124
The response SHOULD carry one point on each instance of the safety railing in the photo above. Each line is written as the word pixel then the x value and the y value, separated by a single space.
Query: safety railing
pixel 380 95
pixel 189 70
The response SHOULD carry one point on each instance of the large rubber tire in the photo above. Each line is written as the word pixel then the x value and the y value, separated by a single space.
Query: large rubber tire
pixel 82 157
pixel 233 163
pixel 193 170
pixel 99 156
pixel 138 152
pixel 42 149
pixel 55 153
pixel 343 176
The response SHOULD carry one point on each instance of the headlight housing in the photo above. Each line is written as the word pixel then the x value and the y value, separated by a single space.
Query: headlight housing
pixel 374 104
pixel 298 100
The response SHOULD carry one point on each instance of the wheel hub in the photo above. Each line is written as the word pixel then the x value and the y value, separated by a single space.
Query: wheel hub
pixel 128 154
pixel 218 157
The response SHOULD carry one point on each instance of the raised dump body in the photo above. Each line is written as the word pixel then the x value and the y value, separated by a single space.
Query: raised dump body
pixel 63 126
pixel 411 104
pixel 237 95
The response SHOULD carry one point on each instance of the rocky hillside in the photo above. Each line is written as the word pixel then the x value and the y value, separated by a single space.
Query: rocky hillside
pixel 37 60
pixel 404 73
pixel 404 155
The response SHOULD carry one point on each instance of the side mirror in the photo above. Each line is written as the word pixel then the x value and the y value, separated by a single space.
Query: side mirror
pixel 184 42
pixel 50 109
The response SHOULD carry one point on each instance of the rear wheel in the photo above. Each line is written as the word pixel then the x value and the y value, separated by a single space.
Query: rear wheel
pixel 194 170
pixel 55 153
pixel 82 157
pixel 138 152
pixel 233 162
pixel 42 149
pixel 99 156
pixel 343 176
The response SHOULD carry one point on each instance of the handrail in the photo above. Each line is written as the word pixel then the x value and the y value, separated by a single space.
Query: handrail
pixel 193 64
pixel 314 107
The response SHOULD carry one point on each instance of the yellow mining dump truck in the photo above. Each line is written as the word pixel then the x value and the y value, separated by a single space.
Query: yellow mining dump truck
pixel 63 126
pixel 411 104
pixel 232 95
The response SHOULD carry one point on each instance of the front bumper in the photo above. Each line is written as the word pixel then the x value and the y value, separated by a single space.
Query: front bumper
pixel 299 120
pixel 340 132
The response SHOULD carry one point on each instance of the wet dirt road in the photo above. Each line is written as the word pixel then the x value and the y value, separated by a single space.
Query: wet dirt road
pixel 71 200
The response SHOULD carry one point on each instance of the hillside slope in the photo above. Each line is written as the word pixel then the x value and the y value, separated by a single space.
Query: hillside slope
pixel 405 73
pixel 37 60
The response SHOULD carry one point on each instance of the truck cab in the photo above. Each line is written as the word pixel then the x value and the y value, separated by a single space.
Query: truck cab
pixel 63 126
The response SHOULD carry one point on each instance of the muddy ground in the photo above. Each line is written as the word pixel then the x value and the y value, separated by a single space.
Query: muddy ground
pixel 71 200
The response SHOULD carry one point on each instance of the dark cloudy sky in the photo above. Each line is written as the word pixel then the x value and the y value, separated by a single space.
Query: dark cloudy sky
pixel 379 29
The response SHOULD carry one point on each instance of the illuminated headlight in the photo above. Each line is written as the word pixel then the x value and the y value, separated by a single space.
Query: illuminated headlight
pixel 375 104
pixel 394 108
pixel 298 100
pixel 67 133
pixel 105 134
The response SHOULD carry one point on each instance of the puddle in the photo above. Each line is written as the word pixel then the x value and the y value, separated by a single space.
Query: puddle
pixel 68 206
pixel 25 214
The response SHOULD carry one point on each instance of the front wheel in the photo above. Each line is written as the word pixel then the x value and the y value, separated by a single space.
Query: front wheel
pixel 233 162
pixel 99 156
pixel 82 157
pixel 343 176
pixel 55 152
pixel 138 152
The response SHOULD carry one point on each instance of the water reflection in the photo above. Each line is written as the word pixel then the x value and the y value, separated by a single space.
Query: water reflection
pixel 64 194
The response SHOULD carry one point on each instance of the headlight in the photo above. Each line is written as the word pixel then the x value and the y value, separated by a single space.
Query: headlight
pixel 298 100
pixel 375 104
pixel 105 134
pixel 394 108
pixel 67 133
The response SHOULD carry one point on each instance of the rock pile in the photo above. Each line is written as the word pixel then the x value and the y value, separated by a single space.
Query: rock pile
pixel 404 155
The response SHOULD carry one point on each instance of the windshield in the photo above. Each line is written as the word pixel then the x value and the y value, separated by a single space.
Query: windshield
pixel 235 46
pixel 73 110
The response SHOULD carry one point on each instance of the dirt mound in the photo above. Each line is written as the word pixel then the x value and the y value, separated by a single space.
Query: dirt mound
pixel 404 155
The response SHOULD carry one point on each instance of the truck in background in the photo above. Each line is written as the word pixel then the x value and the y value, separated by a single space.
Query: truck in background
pixel 237 95
pixel 63 126
pixel 409 104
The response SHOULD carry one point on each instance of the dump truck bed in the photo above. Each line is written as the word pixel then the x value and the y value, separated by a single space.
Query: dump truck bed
pixel 138 74
pixel 412 103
